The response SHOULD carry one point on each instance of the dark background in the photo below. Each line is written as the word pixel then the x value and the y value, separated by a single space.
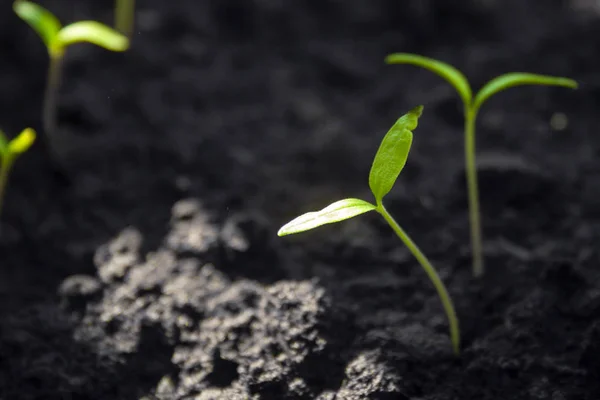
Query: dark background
pixel 153 268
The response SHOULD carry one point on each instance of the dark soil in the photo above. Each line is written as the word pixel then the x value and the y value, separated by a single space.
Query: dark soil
pixel 152 268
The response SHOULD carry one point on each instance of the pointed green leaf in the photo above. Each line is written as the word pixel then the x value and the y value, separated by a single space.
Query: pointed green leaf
pixel 335 212
pixel 513 79
pixel 23 142
pixel 95 33
pixel 392 154
pixel 446 71
pixel 41 20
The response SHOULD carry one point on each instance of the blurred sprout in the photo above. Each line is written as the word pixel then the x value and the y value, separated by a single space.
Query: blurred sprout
pixel 57 39
pixel 9 152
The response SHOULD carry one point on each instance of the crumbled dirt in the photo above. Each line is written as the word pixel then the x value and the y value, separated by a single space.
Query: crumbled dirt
pixel 143 263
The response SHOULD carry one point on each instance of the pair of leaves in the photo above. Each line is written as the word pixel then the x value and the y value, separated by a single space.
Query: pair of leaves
pixel 57 38
pixel 387 165
pixel 461 84
pixel 18 145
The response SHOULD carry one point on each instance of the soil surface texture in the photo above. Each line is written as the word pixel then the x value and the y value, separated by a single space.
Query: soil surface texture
pixel 141 261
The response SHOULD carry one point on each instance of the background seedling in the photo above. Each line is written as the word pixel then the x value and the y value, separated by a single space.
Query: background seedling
pixel 387 165
pixel 57 39
pixel 471 108
pixel 124 16
pixel 9 152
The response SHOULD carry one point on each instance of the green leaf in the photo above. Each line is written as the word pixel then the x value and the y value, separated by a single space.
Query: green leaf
pixel 513 79
pixel 335 212
pixel 446 71
pixel 23 142
pixel 41 20
pixel 392 154
pixel 95 33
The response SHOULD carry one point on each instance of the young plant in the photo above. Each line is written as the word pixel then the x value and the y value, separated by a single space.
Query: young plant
pixel 57 39
pixel 124 16
pixel 9 152
pixel 387 165
pixel 472 104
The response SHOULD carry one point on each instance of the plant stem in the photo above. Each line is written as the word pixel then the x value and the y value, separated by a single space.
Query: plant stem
pixel 5 166
pixel 124 16
pixel 473 191
pixel 51 96
pixel 433 275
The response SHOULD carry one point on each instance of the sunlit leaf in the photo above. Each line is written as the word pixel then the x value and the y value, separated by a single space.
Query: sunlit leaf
pixel 513 79
pixel 95 33
pixel 41 20
pixel 338 211
pixel 22 142
pixel 392 154
pixel 446 71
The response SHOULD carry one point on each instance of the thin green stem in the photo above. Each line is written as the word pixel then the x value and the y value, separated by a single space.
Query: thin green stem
pixel 5 166
pixel 473 191
pixel 431 273
pixel 124 16
pixel 51 96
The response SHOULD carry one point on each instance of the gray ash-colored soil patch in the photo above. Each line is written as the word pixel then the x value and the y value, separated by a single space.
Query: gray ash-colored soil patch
pixel 205 332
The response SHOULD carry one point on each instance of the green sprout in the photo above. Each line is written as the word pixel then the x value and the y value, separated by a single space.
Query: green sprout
pixel 124 16
pixel 387 165
pixel 471 107
pixel 57 38
pixel 9 152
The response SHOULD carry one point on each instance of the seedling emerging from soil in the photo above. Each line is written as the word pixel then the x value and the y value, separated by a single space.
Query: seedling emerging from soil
pixel 471 107
pixel 57 39
pixel 9 152
pixel 387 165
pixel 124 16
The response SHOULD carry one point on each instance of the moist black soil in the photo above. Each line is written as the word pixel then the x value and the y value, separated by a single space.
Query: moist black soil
pixel 142 261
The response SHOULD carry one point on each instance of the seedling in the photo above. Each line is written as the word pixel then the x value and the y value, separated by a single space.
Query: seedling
pixel 9 152
pixel 124 16
pixel 57 39
pixel 472 104
pixel 387 165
